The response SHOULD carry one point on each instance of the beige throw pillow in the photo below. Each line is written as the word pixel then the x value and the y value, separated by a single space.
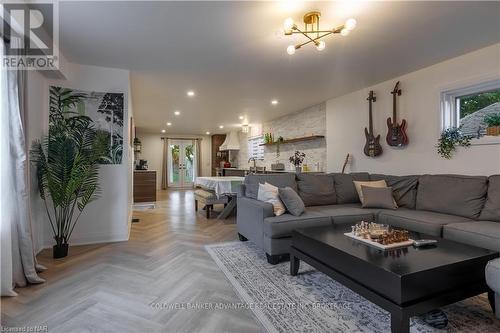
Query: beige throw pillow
pixel 270 193
pixel 376 183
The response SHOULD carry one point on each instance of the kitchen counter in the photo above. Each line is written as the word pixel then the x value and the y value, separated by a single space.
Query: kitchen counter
pixel 243 172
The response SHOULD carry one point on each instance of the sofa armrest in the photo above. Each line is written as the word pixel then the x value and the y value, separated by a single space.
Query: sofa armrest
pixel 250 218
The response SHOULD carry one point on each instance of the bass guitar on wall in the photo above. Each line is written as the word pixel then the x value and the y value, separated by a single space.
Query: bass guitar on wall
pixel 372 145
pixel 396 133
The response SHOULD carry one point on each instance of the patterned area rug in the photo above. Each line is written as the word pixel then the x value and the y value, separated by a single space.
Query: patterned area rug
pixel 313 302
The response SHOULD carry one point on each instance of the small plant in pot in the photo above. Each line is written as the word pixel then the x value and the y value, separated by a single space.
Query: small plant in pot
pixel 493 122
pixel 297 159
pixel 450 138
pixel 67 166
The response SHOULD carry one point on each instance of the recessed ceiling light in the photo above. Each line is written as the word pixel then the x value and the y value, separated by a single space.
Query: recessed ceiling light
pixel 190 93
pixel 177 113
pixel 169 124
pixel 274 102
pixel 221 126
pixel 241 117
pixel 163 131
pixel 207 133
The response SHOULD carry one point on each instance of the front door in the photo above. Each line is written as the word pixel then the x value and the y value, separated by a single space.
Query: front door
pixel 181 163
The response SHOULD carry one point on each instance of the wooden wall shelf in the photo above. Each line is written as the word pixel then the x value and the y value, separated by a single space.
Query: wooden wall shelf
pixel 304 138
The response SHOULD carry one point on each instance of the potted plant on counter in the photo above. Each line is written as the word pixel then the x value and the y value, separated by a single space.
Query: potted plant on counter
pixel 493 122
pixel 297 159
pixel 67 167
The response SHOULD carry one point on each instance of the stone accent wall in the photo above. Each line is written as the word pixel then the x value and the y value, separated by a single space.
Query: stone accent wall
pixel 310 121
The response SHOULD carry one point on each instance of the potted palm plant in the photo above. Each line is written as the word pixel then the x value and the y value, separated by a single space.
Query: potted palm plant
pixel 493 122
pixel 67 164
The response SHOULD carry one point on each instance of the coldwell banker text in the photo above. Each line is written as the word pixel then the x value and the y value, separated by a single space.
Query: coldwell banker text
pixel 31 35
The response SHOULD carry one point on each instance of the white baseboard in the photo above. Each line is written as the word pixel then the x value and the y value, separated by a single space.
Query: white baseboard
pixel 93 238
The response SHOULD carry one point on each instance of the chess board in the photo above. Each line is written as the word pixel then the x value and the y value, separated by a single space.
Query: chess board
pixel 378 245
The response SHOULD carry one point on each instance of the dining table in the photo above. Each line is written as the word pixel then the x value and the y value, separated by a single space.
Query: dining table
pixel 222 186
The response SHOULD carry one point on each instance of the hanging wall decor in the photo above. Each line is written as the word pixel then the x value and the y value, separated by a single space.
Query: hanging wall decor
pixel 106 110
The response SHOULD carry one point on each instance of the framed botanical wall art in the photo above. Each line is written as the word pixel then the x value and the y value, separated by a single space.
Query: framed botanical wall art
pixel 106 110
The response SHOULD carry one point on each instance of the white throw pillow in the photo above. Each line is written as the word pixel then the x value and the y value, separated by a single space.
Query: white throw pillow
pixel 376 183
pixel 269 193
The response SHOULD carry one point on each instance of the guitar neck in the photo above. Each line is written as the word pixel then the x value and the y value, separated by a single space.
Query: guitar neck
pixel 370 118
pixel 394 108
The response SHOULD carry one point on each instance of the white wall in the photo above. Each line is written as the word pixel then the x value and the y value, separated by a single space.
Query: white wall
pixel 106 219
pixel 152 151
pixel 419 104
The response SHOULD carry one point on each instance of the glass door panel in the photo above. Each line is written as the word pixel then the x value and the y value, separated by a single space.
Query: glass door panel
pixel 181 163
pixel 189 163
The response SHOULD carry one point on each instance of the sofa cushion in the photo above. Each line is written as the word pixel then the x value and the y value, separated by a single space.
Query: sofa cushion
pixel 485 234
pixel 344 186
pixel 378 197
pixel 491 210
pixel 452 194
pixel 344 213
pixel 279 180
pixel 292 201
pixel 282 226
pixel 404 188
pixel 358 185
pixel 426 222
pixel 316 190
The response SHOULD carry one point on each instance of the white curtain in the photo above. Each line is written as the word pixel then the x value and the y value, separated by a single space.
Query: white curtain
pixel 18 263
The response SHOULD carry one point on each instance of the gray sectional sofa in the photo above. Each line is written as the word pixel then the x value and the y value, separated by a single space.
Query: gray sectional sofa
pixel 460 208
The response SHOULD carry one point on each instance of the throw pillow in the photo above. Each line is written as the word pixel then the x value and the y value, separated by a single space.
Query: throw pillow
pixel 376 183
pixel 316 190
pixel 292 201
pixel 270 193
pixel 378 197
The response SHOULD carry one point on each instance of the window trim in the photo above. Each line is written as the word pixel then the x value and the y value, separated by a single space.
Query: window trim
pixel 450 113
pixel 257 137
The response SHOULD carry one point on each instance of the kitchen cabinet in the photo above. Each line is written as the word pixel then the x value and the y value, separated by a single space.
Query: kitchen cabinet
pixel 144 186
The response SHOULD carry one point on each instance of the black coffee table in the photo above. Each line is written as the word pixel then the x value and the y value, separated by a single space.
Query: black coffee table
pixel 406 282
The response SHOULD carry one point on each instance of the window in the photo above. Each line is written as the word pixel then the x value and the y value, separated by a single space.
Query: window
pixel 255 150
pixel 467 107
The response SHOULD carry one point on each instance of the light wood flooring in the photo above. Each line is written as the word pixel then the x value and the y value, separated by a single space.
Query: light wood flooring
pixel 114 287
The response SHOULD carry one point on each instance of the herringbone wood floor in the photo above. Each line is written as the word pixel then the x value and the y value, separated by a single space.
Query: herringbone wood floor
pixel 113 287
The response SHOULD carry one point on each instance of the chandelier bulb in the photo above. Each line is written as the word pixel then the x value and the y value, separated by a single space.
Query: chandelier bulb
pixel 290 50
pixel 344 32
pixel 350 24
pixel 321 46
pixel 288 24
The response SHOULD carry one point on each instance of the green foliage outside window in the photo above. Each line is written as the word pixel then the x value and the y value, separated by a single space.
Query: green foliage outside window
pixel 473 103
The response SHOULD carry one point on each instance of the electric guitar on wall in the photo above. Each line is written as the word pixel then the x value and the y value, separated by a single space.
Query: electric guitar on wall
pixel 372 145
pixel 396 134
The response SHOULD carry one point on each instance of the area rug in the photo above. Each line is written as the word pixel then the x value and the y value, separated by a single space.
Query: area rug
pixel 313 302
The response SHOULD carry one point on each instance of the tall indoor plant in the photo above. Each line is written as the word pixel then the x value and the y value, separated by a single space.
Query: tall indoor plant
pixel 67 163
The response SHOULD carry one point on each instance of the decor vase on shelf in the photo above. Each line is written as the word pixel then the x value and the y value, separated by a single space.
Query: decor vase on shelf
pixel 297 159
pixel 67 164
pixel 493 122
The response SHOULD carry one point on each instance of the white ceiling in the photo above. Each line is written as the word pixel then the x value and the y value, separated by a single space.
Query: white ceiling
pixel 232 54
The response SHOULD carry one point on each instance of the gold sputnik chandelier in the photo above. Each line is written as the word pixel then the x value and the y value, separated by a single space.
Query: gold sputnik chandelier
pixel 312 31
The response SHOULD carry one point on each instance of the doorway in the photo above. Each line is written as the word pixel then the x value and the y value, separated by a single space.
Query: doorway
pixel 181 163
